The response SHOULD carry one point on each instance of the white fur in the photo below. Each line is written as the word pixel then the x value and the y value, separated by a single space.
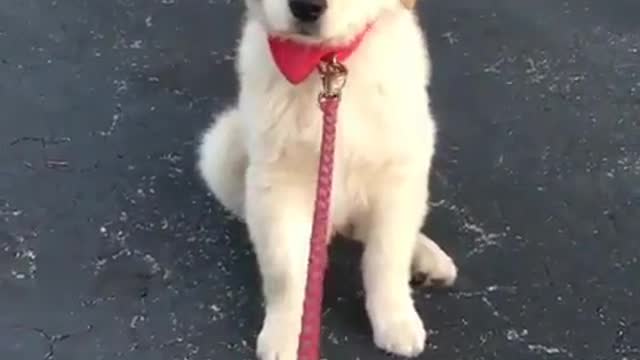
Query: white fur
pixel 260 160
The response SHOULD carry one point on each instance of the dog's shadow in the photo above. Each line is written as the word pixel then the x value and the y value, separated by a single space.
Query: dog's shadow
pixel 344 294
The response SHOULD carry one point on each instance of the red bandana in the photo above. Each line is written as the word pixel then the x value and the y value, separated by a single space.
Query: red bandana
pixel 297 60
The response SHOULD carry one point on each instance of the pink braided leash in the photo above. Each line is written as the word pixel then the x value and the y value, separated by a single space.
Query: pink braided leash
pixel 333 76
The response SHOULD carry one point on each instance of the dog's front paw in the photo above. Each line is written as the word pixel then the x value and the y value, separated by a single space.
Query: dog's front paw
pixel 399 331
pixel 278 339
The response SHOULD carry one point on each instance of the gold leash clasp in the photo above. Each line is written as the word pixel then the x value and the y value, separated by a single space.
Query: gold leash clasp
pixel 334 77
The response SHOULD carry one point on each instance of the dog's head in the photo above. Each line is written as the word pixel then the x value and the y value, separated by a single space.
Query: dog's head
pixel 320 20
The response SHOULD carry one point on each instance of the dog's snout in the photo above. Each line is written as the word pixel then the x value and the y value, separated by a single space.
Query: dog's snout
pixel 307 10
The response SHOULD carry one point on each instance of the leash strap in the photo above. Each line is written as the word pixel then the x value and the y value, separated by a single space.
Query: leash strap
pixel 334 76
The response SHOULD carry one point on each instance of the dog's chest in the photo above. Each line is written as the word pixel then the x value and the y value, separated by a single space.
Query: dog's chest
pixel 366 122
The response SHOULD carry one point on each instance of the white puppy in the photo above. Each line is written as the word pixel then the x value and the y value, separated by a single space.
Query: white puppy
pixel 260 160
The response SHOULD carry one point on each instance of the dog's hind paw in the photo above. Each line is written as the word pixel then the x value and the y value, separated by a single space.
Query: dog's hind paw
pixel 431 265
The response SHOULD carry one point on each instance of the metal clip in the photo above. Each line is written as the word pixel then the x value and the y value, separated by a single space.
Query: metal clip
pixel 334 78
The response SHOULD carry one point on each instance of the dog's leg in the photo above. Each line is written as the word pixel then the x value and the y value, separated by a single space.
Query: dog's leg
pixel 395 219
pixel 279 216
pixel 222 161
pixel 432 266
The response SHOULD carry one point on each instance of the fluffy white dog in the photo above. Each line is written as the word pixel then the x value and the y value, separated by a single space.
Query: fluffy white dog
pixel 260 160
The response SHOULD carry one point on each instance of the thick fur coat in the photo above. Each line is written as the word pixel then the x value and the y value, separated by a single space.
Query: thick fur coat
pixel 259 158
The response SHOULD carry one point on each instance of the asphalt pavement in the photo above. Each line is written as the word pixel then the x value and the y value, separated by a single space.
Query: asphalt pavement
pixel 110 247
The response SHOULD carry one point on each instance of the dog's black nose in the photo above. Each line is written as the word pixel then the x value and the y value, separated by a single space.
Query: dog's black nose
pixel 307 10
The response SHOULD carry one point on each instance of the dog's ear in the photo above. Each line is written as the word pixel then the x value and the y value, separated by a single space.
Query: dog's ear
pixel 409 4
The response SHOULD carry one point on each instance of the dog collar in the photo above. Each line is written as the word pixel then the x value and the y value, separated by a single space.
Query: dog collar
pixel 297 60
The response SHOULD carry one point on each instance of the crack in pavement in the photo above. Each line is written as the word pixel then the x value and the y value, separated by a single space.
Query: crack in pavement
pixel 52 340
pixel 43 141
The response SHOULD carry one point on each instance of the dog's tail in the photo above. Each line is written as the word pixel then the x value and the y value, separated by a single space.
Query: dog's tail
pixel 223 161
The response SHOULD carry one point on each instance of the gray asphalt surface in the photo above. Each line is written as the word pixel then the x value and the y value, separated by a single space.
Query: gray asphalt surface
pixel 111 249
